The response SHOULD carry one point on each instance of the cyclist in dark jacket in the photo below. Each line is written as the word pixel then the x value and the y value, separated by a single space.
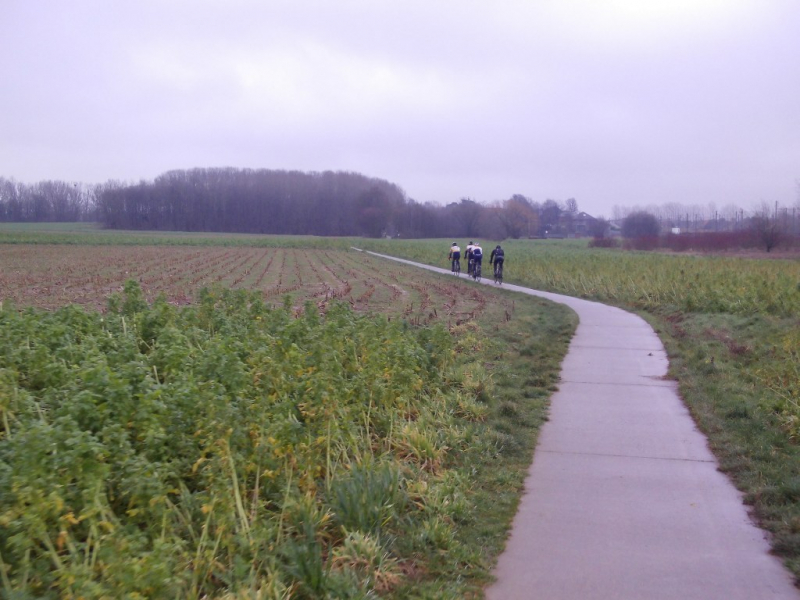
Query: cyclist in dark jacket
pixel 497 255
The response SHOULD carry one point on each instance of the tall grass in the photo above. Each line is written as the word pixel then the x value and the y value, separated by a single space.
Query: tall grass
pixel 641 280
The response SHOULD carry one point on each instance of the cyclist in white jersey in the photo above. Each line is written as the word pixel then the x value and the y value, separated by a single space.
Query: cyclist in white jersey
pixel 454 257
pixel 477 255
pixel 468 256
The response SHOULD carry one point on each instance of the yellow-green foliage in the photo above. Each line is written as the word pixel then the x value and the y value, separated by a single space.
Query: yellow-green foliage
pixel 223 450
pixel 782 378
pixel 638 279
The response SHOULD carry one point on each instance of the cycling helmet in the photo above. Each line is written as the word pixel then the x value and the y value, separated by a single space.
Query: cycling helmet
pixel 454 244
pixel 498 247
pixel 471 242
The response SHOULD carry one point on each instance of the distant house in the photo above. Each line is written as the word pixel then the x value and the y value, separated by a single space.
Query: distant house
pixel 576 225
pixel 583 224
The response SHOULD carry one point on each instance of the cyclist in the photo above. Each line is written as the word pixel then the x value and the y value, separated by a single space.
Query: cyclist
pixel 455 257
pixel 497 258
pixel 477 258
pixel 468 256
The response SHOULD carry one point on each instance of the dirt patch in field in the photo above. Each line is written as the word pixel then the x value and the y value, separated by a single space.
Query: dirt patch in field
pixel 51 276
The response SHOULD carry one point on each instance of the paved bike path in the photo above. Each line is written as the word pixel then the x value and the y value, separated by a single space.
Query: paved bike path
pixel 623 499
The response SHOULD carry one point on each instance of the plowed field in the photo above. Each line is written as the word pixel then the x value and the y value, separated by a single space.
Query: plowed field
pixel 50 276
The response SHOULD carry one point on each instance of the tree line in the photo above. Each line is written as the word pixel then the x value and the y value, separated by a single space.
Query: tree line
pixel 253 201
pixel 279 202
pixel 348 204
pixel 301 203
pixel 46 201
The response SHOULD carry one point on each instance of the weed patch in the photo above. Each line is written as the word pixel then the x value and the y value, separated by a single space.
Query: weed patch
pixel 230 447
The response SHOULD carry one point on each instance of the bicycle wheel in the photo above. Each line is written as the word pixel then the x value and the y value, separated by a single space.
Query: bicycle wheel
pixel 457 267
pixel 476 271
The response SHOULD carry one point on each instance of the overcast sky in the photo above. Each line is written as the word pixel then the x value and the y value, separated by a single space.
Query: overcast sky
pixel 610 102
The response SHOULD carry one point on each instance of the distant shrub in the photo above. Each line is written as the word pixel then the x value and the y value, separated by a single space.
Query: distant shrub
pixel 604 243
pixel 644 242
pixel 640 224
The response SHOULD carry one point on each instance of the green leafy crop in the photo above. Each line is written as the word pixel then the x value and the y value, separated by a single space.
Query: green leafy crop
pixel 222 448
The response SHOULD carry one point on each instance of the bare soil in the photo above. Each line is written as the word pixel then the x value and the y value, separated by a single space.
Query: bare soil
pixel 51 276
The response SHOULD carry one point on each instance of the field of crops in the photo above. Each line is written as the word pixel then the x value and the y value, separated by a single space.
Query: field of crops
pixel 256 421
pixel 667 284
pixel 231 450
pixel 731 327
pixel 50 276
pixel 643 280
pixel 89 234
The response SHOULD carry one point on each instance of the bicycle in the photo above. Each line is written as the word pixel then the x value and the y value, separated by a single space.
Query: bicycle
pixel 498 272
pixel 476 271
pixel 456 267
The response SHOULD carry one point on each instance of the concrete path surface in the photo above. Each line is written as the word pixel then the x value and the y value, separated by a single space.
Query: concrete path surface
pixel 623 499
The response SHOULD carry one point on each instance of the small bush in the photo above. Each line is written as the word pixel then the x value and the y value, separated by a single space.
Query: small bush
pixel 604 243
pixel 640 224
pixel 649 242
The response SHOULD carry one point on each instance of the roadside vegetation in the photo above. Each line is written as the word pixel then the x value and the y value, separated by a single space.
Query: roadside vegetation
pixel 732 330
pixel 260 421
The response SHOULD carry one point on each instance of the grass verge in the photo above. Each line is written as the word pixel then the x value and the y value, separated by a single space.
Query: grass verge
pixel 730 371
pixel 516 365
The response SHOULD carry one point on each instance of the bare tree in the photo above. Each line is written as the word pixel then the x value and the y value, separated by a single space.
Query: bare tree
pixel 569 214
pixel 766 227
pixel 517 215
pixel 468 215
pixel 550 216
pixel 673 212
pixel 618 213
